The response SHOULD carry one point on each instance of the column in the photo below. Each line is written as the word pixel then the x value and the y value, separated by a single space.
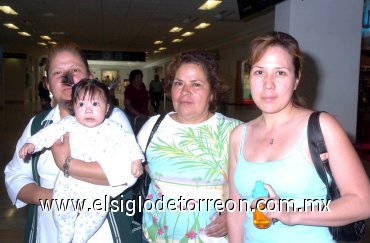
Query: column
pixel 329 33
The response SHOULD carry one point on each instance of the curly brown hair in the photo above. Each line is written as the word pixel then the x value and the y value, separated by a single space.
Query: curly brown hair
pixel 209 63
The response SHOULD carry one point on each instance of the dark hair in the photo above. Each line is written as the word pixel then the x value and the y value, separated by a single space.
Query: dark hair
pixel 209 63
pixel 133 74
pixel 260 44
pixel 91 87
pixel 65 46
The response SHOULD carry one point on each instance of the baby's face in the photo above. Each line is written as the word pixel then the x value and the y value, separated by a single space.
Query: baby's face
pixel 90 112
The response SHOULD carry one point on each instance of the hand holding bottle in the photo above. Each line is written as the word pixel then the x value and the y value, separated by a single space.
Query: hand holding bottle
pixel 263 220
pixel 259 219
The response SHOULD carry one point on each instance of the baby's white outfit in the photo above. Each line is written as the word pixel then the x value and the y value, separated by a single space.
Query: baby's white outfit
pixel 80 208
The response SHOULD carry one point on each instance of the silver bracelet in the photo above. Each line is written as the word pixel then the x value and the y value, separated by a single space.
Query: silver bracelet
pixel 66 166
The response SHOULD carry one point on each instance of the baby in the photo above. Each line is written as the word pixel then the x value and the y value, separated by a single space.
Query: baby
pixel 92 138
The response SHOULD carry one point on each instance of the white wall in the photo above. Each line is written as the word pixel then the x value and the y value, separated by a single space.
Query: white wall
pixel 124 71
pixel 330 38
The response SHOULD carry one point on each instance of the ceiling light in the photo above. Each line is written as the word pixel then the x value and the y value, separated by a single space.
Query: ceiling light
pixel 41 43
pixel 8 10
pixel 176 40
pixel 186 34
pixel 45 37
pixel 156 51
pixel 175 29
pixel 210 4
pixel 158 42
pixel 202 26
pixel 52 42
pixel 162 48
pixel 11 26
pixel 24 33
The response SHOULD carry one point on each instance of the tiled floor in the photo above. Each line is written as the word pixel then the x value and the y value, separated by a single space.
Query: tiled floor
pixel 13 119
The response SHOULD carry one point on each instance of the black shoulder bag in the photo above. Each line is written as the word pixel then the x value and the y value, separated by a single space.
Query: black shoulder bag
pixel 140 188
pixel 348 233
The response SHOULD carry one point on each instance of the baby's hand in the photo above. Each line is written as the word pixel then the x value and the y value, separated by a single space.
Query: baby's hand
pixel 136 168
pixel 27 149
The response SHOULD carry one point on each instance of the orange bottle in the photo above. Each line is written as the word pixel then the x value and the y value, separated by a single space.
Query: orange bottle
pixel 259 219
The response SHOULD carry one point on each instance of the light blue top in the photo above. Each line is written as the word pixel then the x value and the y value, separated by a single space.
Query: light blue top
pixel 293 177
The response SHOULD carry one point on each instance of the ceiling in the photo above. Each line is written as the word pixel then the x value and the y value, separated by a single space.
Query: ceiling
pixel 119 25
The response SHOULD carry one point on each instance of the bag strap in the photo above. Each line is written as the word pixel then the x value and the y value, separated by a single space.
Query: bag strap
pixel 37 124
pixel 118 225
pixel 316 144
pixel 31 226
pixel 154 129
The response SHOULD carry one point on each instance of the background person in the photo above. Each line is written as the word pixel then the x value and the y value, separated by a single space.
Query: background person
pixel 44 94
pixel 136 100
pixel 274 146
pixel 107 80
pixel 136 95
pixel 188 154
pixel 156 93
pixel 21 186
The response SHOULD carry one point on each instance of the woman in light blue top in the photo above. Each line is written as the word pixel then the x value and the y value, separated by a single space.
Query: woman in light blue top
pixel 273 148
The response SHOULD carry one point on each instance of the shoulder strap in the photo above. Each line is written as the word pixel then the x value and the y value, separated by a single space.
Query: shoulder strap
pixel 37 124
pixel 317 146
pixel 121 225
pixel 155 127
pixel 31 225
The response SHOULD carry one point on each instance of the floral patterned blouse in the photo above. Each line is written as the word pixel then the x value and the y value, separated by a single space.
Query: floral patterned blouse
pixel 188 166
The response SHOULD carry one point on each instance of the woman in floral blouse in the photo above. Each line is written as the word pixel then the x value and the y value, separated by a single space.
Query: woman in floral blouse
pixel 188 156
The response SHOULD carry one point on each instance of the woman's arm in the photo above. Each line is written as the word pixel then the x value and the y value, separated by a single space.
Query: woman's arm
pixel 33 194
pixel 235 219
pixel 20 185
pixel 218 226
pixel 110 166
pixel 90 172
pixel 350 177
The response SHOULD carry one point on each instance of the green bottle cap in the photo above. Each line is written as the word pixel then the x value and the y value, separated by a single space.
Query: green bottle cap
pixel 259 190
